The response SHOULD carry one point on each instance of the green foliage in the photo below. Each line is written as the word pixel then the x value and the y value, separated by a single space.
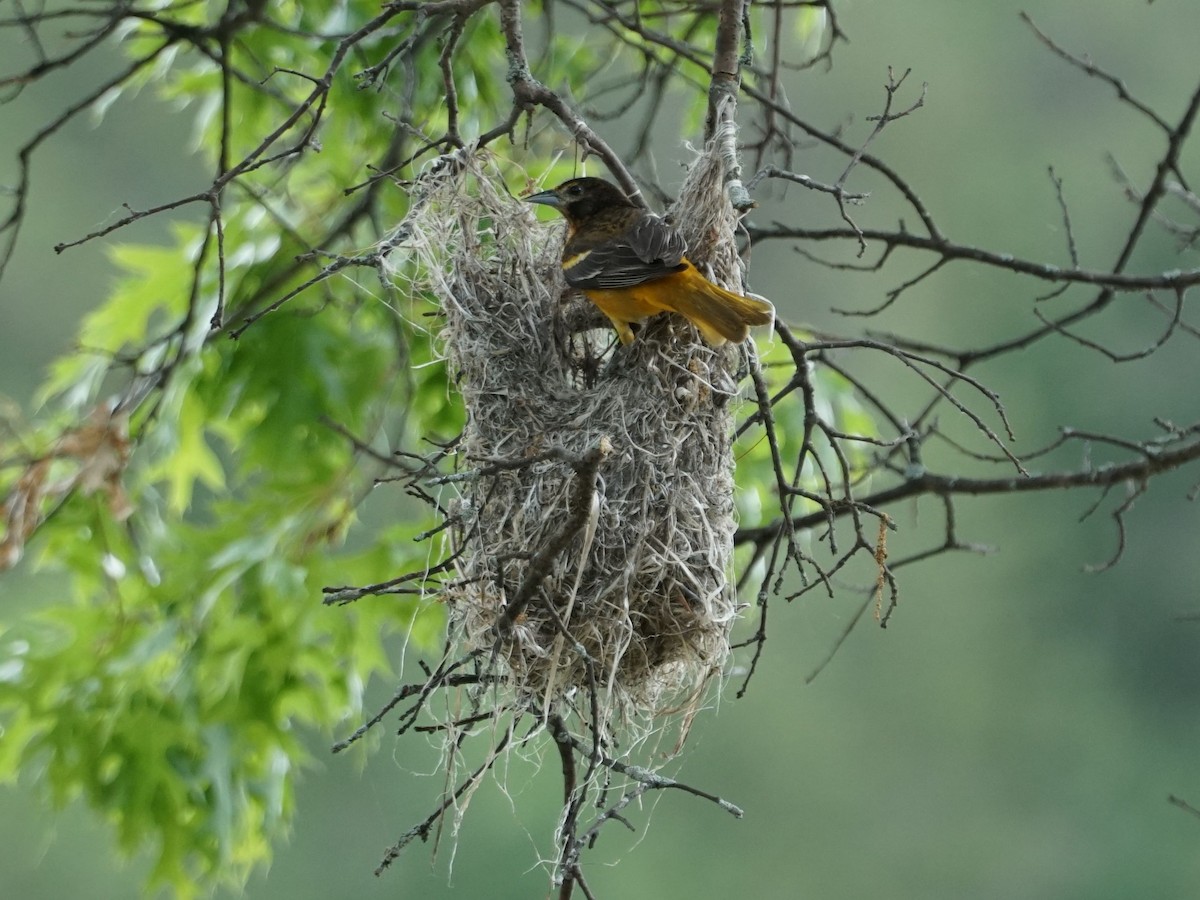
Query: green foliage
pixel 167 688
pixel 168 683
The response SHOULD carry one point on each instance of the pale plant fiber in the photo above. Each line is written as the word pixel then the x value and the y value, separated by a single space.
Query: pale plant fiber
pixel 642 586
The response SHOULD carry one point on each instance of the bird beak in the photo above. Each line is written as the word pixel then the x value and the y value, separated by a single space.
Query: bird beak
pixel 549 198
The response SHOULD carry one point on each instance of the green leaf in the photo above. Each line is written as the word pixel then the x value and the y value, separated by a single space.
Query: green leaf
pixel 191 460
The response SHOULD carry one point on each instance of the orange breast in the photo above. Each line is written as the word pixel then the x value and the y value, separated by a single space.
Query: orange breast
pixel 630 304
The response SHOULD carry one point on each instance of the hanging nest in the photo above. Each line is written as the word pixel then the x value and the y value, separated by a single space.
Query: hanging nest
pixel 592 531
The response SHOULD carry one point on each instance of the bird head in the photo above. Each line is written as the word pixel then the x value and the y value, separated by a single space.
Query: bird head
pixel 580 198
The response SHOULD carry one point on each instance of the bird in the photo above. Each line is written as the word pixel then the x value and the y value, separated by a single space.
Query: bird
pixel 631 264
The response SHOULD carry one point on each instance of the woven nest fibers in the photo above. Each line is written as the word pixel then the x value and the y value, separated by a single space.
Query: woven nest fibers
pixel 593 530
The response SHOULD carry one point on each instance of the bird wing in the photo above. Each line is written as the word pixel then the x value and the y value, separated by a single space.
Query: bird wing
pixel 648 249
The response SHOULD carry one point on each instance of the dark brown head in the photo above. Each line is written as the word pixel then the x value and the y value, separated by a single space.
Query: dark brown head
pixel 581 199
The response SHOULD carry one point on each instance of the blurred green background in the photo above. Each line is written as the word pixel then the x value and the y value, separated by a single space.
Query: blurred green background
pixel 1018 728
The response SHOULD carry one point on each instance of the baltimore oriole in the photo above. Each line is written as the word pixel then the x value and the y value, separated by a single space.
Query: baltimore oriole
pixel 631 264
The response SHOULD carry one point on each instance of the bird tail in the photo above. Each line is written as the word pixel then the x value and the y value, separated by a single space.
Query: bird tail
pixel 720 315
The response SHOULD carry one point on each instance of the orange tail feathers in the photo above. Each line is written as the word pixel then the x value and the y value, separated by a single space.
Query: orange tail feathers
pixel 720 315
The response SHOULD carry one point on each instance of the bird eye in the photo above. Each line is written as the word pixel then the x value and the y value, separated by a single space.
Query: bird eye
pixel 575 190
